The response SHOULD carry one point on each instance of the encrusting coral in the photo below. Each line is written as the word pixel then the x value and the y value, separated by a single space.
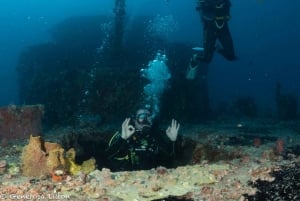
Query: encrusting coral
pixel 41 158
pixel 86 167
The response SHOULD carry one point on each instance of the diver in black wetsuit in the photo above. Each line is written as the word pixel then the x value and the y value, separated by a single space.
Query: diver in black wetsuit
pixel 141 145
pixel 215 15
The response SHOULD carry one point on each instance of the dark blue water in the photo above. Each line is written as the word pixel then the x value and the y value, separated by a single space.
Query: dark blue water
pixel 266 37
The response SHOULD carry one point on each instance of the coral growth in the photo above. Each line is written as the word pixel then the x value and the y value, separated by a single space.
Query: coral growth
pixel 279 147
pixel 42 158
pixel 39 158
pixel 19 122
pixel 284 184
pixel 86 167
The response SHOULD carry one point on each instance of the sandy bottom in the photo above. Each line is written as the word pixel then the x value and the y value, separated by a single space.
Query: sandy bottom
pixel 254 154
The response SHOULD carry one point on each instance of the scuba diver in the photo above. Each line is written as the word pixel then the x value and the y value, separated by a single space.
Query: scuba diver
pixel 141 145
pixel 215 15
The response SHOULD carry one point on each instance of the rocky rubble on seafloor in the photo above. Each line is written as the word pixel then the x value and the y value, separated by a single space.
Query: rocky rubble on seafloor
pixel 195 182
pixel 137 185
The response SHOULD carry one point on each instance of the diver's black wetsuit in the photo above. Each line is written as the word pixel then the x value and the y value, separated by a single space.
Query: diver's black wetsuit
pixel 215 14
pixel 143 150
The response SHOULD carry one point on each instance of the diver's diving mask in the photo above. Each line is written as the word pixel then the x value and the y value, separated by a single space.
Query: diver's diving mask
pixel 144 118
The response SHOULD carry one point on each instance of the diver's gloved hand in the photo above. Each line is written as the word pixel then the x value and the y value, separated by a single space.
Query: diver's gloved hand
pixel 127 130
pixel 172 131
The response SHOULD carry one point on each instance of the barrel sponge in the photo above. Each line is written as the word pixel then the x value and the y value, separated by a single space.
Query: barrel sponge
pixel 55 159
pixel 34 158
pixel 40 158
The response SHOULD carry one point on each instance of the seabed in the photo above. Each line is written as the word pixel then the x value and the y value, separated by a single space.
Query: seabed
pixel 262 163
